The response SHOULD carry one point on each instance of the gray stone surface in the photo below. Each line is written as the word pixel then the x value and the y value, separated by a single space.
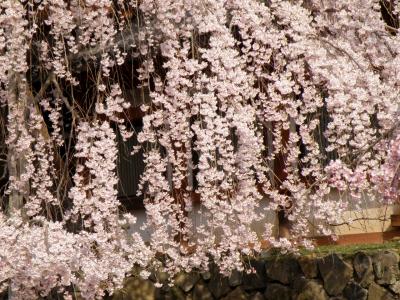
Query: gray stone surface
pixel 361 276
pixel 186 281
pixel 276 291
pixel 206 275
pixel 299 283
pixel 354 291
pixel 257 280
pixel 177 294
pixel 236 278
pixel 201 292
pixel 136 288
pixel 312 290
pixel 257 296
pixel 219 285
pixel 386 267
pixel 335 273
pixel 159 276
pixel 395 288
pixel 237 294
pixel 377 292
pixel 364 272
pixel 283 270
pixel 309 266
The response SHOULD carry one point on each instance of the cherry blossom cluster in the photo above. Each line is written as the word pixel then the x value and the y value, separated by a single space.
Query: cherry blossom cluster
pixel 387 177
pixel 113 108
pixel 235 89
pixel 321 74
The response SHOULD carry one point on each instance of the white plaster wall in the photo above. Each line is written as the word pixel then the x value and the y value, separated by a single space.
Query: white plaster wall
pixel 372 218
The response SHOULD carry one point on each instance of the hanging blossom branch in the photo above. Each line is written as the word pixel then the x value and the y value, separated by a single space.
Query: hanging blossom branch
pixel 217 72
pixel 387 177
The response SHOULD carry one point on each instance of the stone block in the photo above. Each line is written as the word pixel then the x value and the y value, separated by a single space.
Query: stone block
pixel 335 273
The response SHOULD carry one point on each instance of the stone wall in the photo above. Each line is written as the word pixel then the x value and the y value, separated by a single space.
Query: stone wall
pixel 360 276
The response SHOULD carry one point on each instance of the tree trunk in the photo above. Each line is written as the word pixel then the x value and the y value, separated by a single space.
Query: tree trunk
pixel 15 166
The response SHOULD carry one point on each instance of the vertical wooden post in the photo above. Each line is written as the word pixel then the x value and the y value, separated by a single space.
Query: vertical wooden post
pixel 16 161
pixel 284 225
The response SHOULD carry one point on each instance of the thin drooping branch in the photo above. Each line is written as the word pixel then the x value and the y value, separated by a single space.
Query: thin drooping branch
pixel 216 72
